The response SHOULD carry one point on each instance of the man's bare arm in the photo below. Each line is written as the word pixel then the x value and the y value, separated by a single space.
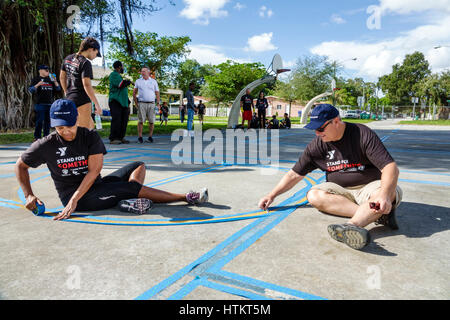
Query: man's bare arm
pixel 288 181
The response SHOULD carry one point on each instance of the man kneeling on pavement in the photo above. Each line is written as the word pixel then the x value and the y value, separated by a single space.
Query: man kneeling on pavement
pixel 361 177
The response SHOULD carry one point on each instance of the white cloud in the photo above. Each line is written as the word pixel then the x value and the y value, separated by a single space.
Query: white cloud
pixel 265 12
pixel 410 6
pixel 200 11
pixel 239 6
pixel 260 43
pixel 337 19
pixel 209 54
pixel 376 59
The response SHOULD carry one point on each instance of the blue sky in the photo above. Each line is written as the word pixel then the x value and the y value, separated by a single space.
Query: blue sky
pixel 377 32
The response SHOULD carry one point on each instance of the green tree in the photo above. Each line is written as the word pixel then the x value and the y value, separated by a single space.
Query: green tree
pixel 191 70
pixel 286 90
pixel 312 76
pixel 403 82
pixel 161 54
pixel 229 79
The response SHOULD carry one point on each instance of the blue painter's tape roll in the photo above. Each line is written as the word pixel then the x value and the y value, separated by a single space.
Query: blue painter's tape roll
pixel 39 210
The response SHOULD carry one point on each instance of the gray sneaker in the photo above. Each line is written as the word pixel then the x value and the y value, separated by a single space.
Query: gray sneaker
pixel 200 197
pixel 353 236
pixel 136 206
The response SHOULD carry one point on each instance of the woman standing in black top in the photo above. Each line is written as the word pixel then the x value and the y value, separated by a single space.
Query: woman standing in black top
pixel 262 105
pixel 76 74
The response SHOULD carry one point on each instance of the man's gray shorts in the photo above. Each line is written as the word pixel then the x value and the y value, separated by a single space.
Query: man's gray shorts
pixel 357 194
pixel 146 111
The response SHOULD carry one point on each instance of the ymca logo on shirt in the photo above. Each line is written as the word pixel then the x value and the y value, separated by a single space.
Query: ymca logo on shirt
pixel 330 155
pixel 62 151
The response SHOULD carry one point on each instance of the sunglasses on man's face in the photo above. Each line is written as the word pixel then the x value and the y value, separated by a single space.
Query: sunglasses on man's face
pixel 322 129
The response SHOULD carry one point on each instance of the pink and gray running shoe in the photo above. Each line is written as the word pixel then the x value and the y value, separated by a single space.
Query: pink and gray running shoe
pixel 200 197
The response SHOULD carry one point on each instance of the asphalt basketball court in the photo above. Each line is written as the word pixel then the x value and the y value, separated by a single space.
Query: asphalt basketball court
pixel 228 248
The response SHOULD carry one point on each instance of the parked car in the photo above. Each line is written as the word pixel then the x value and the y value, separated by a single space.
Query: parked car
pixel 352 114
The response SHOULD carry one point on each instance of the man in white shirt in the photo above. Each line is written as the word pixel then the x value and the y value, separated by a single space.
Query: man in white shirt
pixel 148 90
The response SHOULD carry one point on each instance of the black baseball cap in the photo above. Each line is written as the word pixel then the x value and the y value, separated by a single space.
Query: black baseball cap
pixel 92 43
pixel 321 114
pixel 43 67
pixel 63 113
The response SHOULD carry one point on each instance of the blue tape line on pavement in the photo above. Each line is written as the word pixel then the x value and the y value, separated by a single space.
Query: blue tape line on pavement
pixel 233 291
pixel 181 273
pixel 436 183
pixel 270 286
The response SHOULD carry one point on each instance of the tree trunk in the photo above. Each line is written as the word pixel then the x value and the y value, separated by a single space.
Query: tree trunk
pixel 23 46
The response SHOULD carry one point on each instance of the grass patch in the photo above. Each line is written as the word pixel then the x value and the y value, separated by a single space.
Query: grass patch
pixel 173 124
pixel 427 122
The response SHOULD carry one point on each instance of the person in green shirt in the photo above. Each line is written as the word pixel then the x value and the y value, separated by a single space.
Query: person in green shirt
pixel 118 104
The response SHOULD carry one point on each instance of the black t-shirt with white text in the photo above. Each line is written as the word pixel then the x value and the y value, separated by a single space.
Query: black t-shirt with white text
pixel 66 160
pixel 45 92
pixel 247 101
pixel 356 159
pixel 77 67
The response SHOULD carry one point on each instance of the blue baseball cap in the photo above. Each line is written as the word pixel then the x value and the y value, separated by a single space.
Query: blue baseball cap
pixel 43 66
pixel 63 113
pixel 321 114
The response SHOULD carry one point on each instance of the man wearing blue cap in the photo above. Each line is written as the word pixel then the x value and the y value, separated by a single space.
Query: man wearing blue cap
pixel 74 156
pixel 361 176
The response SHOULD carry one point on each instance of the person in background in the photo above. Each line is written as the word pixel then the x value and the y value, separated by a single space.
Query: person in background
pixel 274 123
pixel 43 87
pixel 149 100
pixel 261 106
pixel 76 74
pixel 285 122
pixel 118 104
pixel 201 111
pixel 248 108
pixel 164 113
pixel 191 109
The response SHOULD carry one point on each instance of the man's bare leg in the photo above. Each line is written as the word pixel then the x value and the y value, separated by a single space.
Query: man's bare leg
pixel 140 127
pixel 332 203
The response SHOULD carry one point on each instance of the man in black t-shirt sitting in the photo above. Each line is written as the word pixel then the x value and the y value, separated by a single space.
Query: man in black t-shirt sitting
pixel 74 156
pixel 361 176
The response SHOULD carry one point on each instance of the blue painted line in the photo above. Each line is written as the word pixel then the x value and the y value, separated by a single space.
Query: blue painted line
pixel 436 183
pixel 270 286
pixel 186 289
pixel 10 201
pixel 426 172
pixel 9 162
pixel 8 205
pixel 233 291
pixel 419 151
pixel 247 243
pixel 185 175
pixel 181 273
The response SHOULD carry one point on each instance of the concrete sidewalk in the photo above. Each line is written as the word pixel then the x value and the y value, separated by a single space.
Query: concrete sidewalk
pixel 228 249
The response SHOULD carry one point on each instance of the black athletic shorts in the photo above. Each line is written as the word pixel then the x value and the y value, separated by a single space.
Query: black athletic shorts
pixel 79 100
pixel 110 190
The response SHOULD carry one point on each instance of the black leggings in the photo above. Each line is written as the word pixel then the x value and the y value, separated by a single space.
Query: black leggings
pixel 262 118
pixel 111 189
